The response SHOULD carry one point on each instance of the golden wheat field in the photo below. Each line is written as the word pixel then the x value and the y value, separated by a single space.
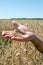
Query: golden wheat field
pixel 20 53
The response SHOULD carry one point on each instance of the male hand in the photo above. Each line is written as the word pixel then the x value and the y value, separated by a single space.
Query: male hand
pixel 24 33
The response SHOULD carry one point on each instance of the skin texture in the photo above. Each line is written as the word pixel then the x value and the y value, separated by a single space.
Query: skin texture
pixel 24 35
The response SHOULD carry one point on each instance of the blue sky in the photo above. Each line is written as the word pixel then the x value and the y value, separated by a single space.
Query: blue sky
pixel 21 8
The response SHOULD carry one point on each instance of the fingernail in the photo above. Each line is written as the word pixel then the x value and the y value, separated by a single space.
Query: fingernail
pixel 3 33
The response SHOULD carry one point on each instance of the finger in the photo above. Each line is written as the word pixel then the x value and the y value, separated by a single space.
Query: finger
pixel 16 24
pixel 17 38
pixel 4 33
pixel 23 29
pixel 8 32
pixel 8 36
pixel 20 37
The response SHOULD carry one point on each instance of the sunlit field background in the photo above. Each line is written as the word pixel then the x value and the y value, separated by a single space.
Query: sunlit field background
pixel 20 53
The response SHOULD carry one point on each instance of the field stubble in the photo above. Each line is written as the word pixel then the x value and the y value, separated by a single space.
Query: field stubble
pixel 20 53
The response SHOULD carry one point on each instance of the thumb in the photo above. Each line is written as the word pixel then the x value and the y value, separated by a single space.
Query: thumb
pixel 16 24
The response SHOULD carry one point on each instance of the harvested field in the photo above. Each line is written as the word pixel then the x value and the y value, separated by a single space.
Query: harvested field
pixel 20 53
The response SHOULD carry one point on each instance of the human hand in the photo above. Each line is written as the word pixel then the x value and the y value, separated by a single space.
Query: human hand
pixel 24 33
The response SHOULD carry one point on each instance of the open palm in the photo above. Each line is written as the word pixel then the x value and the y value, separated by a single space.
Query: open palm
pixel 24 33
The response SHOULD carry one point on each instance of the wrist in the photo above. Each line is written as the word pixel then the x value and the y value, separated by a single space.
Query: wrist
pixel 34 39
